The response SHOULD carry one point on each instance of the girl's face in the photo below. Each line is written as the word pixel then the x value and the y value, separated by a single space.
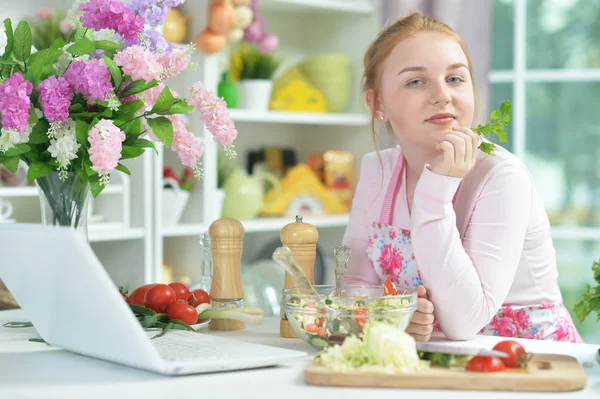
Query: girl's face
pixel 425 89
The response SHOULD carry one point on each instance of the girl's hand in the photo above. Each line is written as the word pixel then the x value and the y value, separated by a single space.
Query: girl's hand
pixel 421 324
pixel 458 153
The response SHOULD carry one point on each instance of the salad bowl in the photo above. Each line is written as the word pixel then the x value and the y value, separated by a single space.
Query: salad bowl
pixel 326 319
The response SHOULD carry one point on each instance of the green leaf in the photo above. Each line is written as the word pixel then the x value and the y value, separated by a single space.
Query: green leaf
pixel 495 115
pixel 107 45
pixel 181 107
pixel 596 271
pixel 506 108
pixel 81 47
pixel 131 152
pixel 58 43
pixel 488 148
pixel 7 62
pixel 11 163
pixel 123 169
pixel 41 65
pixel 38 169
pixel 143 143
pixel 114 70
pixel 162 128
pixel 23 39
pixel 128 110
pixel 87 166
pixel 81 132
pixel 95 186
pixel 142 310
pixel 83 32
pixel 138 86
pixel 149 320
pixel 134 128
pixel 164 102
pixel 17 150
pixel 76 108
pixel 10 39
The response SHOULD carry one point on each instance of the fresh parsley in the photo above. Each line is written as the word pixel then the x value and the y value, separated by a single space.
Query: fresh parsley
pixel 590 301
pixel 496 125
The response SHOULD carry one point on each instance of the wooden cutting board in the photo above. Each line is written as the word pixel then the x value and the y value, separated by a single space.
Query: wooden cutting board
pixel 546 373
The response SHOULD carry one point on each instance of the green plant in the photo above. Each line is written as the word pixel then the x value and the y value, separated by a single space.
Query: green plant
pixel 249 63
pixel 590 300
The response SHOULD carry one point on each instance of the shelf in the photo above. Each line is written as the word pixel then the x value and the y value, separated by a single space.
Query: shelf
pixel 319 6
pixel 301 118
pixel 113 232
pixel 258 225
pixel 32 191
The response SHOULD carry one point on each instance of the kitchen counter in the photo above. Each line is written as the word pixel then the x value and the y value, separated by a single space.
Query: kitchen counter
pixel 36 370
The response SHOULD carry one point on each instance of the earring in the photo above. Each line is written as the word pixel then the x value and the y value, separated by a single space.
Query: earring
pixel 381 117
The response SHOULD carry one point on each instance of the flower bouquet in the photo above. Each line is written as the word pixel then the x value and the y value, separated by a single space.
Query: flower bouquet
pixel 74 111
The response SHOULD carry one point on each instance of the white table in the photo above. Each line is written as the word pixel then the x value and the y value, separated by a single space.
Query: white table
pixel 36 370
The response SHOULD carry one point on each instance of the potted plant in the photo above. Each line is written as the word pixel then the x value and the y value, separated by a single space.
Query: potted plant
pixel 175 194
pixel 254 72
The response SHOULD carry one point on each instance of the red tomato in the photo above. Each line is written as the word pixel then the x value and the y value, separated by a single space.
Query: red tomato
pixel 182 311
pixel 159 297
pixel 138 296
pixel 198 297
pixel 181 291
pixel 517 357
pixel 485 364
pixel 389 288
pixel 358 312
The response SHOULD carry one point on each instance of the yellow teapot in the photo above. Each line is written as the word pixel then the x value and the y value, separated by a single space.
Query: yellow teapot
pixel 244 194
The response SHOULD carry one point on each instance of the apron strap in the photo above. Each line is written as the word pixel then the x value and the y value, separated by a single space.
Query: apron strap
pixel 386 210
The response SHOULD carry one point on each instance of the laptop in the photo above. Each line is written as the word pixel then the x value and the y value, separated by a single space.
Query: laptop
pixel 73 304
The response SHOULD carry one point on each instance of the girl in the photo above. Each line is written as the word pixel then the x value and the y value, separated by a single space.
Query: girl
pixel 439 213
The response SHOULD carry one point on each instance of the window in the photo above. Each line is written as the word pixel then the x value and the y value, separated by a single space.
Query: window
pixel 546 60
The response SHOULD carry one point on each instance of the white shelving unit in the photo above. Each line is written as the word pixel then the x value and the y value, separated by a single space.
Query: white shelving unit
pixel 305 28
pixel 133 254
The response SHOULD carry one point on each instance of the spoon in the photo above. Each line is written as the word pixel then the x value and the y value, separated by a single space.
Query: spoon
pixel 342 254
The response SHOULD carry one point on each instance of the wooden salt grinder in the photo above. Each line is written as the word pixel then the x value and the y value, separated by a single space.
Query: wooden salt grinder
pixel 301 238
pixel 227 239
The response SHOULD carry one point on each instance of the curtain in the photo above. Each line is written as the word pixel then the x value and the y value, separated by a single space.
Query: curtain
pixel 472 20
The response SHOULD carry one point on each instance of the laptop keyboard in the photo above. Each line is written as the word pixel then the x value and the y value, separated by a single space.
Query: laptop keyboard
pixel 176 349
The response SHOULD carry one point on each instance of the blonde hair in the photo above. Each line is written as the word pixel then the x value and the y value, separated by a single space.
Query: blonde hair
pixel 382 46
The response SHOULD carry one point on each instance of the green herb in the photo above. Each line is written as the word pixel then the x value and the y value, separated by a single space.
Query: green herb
pixel 252 64
pixel 445 359
pixel 590 300
pixel 496 125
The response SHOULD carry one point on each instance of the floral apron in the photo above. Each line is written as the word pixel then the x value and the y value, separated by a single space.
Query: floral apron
pixel 390 252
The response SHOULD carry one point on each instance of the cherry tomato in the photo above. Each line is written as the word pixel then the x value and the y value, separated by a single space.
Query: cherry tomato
pixel 358 312
pixel 485 364
pixel 182 311
pixel 198 297
pixel 138 296
pixel 517 357
pixel 159 297
pixel 389 288
pixel 181 291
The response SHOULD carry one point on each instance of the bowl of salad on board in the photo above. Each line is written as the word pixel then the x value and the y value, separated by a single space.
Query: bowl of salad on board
pixel 327 318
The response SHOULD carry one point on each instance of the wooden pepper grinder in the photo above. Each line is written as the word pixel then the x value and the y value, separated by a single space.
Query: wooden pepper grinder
pixel 301 238
pixel 226 291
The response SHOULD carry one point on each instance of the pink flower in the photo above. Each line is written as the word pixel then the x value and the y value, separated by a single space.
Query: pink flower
pixel 173 62
pixel 65 27
pixel 92 79
pixel 106 144
pixel 391 261
pixel 188 148
pixel 139 63
pixel 392 234
pixel 15 102
pixel 44 13
pixel 213 112
pixel 511 323
pixel 55 97
pixel 111 14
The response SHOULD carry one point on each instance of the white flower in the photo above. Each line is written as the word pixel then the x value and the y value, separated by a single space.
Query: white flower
pixel 3 39
pixel 11 137
pixel 64 149
pixel 65 59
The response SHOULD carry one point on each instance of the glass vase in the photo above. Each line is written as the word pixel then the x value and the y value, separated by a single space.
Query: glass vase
pixel 64 202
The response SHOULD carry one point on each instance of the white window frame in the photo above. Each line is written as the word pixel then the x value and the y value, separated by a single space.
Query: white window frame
pixel 519 76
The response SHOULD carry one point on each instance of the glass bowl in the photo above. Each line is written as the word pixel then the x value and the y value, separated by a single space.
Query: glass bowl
pixel 326 323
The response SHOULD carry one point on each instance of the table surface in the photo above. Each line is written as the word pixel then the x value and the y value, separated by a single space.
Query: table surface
pixel 36 370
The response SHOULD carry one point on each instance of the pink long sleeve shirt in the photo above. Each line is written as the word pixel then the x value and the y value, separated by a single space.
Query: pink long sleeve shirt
pixel 480 242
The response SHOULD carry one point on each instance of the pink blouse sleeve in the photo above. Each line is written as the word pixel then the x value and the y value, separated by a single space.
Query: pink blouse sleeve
pixel 469 279
pixel 357 234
